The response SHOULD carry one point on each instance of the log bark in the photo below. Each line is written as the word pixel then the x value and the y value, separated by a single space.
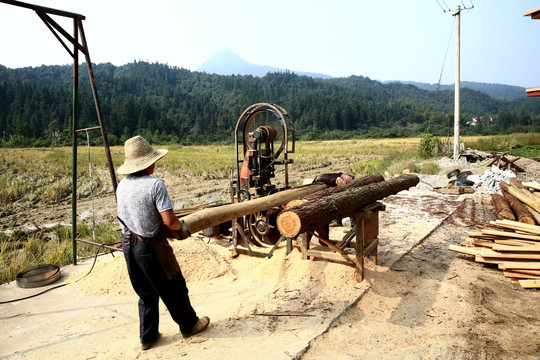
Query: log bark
pixel 522 213
pixel 501 206
pixel 209 217
pixel 369 179
pixel 307 216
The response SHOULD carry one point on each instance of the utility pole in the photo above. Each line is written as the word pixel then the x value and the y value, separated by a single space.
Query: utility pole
pixel 456 89
pixel 457 83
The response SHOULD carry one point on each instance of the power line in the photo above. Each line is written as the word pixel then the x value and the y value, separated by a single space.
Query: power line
pixel 438 3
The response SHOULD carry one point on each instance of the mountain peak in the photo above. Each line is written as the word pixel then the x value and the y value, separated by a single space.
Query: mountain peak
pixel 227 62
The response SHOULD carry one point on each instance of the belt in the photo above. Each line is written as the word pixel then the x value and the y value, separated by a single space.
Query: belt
pixel 139 238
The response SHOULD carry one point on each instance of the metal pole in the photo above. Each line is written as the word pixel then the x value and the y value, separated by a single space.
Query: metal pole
pixel 456 91
pixel 75 125
pixel 98 109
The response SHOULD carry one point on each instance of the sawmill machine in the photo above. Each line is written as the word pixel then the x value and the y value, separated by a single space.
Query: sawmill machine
pixel 264 138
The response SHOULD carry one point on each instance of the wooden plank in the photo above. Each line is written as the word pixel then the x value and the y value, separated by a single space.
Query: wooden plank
pixel 516 225
pixel 510 234
pixel 525 265
pixel 529 284
pixel 532 185
pixel 511 248
pixel 332 256
pixel 519 274
pixel 482 259
pixel 483 243
pixel 465 250
pixel 529 272
pixel 486 253
pixel 515 242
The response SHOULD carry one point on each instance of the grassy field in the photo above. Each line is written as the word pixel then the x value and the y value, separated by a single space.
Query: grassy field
pixel 37 177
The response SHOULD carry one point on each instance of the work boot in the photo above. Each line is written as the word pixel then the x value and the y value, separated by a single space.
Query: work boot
pixel 149 344
pixel 200 326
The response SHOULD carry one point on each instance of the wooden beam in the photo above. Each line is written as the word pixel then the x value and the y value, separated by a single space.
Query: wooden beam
pixel 209 217
pixel 534 13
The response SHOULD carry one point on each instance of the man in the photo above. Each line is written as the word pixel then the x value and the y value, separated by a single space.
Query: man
pixel 147 219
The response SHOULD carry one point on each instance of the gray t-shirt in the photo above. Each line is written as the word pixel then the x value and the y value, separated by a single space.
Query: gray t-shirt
pixel 140 199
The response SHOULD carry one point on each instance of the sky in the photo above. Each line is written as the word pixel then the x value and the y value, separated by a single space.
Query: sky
pixel 380 39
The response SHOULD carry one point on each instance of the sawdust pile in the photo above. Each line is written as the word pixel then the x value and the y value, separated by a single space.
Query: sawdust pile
pixel 203 260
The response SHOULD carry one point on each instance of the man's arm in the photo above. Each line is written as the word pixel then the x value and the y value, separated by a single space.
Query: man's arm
pixel 172 222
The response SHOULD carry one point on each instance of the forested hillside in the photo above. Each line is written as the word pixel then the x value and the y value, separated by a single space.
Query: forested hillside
pixel 175 105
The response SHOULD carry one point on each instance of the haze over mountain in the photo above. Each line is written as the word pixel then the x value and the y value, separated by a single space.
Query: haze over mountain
pixel 227 62
pixel 497 91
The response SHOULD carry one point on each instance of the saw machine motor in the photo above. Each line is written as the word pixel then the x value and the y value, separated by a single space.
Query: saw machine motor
pixel 264 138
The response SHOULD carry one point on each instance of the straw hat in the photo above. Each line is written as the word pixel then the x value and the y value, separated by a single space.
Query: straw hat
pixel 139 155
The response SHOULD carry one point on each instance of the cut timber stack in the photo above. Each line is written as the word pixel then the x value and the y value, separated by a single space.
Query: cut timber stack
pixel 512 245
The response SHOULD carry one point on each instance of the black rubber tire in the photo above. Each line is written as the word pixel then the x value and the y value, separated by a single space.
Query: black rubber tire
pixel 37 276
pixel 453 173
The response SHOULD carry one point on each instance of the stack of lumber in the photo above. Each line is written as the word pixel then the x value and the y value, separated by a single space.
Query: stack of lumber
pixel 519 201
pixel 512 245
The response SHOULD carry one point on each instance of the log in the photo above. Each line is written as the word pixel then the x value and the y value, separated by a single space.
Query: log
pixel 209 217
pixel 522 194
pixel 305 217
pixel 522 213
pixel 501 206
pixel 366 180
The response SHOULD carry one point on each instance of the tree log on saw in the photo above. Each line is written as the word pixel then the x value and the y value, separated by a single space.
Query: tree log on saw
pixel 369 179
pixel 209 217
pixel 305 217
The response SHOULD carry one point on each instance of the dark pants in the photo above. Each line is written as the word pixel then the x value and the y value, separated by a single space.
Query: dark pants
pixel 150 283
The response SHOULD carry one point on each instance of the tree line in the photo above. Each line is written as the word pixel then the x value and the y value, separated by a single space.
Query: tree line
pixel 168 104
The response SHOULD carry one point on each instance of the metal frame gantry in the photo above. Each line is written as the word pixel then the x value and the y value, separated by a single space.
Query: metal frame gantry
pixel 64 37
